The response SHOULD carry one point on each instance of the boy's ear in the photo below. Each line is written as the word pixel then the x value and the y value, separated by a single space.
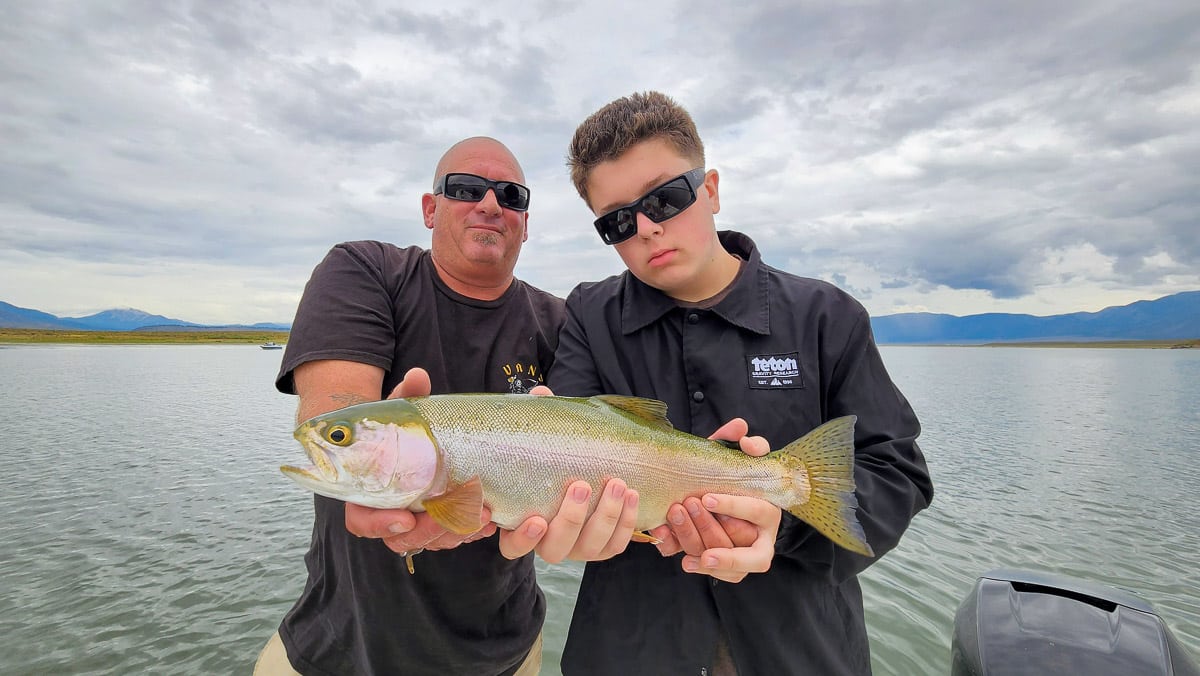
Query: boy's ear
pixel 711 179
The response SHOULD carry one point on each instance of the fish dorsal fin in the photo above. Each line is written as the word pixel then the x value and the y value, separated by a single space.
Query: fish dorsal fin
pixel 458 509
pixel 652 411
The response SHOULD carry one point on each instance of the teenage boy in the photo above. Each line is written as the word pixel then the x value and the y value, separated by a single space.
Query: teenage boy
pixel 700 322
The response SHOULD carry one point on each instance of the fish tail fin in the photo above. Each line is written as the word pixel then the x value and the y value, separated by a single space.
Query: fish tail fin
pixel 822 463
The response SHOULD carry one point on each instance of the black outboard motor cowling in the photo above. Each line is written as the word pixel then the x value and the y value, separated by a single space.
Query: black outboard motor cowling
pixel 1022 623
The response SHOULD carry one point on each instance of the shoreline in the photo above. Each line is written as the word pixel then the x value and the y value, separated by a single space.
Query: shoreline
pixel 199 337
pixel 1180 344
pixel 218 337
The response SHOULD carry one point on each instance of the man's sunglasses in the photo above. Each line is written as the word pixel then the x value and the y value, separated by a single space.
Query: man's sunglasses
pixel 659 204
pixel 472 188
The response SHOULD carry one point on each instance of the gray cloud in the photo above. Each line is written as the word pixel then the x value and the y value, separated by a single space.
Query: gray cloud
pixel 1033 127
pixel 918 154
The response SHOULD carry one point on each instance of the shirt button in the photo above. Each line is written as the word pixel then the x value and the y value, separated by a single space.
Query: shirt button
pixel 697 397
pixel 693 318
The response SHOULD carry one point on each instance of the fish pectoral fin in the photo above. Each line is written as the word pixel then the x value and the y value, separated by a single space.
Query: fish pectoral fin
pixel 652 411
pixel 458 510
pixel 644 536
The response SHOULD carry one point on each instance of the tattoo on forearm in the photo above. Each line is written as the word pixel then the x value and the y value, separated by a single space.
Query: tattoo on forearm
pixel 308 409
pixel 349 398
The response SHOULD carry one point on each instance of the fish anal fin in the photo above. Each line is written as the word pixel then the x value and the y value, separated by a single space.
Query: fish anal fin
pixel 459 509
pixel 644 536
pixel 651 410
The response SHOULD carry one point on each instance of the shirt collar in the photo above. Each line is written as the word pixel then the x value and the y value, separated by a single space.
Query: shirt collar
pixel 746 306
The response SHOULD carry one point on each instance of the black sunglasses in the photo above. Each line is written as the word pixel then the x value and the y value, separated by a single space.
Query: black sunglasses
pixel 472 188
pixel 659 204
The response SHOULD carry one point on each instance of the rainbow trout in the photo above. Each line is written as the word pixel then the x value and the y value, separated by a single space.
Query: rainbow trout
pixel 449 455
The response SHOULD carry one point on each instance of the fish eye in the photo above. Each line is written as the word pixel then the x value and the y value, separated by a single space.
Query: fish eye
pixel 339 435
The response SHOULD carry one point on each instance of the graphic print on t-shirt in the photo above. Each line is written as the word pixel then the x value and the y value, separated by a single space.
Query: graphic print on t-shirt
pixel 522 378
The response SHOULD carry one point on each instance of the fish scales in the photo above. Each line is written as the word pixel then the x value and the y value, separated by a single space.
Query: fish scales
pixel 524 439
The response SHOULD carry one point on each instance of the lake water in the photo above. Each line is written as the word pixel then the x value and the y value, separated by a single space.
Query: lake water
pixel 147 529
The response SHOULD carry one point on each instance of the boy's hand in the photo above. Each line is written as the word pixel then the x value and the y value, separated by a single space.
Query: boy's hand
pixel 693 529
pixel 732 564
pixel 738 430
pixel 571 534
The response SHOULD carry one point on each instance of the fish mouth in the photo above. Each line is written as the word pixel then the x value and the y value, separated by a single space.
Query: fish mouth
pixel 323 470
pixel 306 475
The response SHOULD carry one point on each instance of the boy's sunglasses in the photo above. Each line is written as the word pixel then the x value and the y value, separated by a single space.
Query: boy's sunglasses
pixel 472 188
pixel 659 204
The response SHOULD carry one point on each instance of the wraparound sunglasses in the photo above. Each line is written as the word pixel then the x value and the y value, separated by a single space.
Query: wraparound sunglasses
pixel 472 188
pixel 659 204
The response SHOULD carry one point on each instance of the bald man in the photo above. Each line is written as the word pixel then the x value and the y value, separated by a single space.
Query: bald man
pixel 375 319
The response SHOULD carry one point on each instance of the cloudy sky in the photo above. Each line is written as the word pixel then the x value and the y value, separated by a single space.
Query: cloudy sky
pixel 196 159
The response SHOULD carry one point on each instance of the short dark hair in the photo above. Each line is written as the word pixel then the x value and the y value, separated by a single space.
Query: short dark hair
pixel 629 120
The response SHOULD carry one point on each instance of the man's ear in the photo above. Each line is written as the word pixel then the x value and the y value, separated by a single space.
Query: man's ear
pixel 525 236
pixel 428 206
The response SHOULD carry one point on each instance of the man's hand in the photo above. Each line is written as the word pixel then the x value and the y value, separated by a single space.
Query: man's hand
pixel 401 530
pixel 404 531
pixel 571 534
pixel 416 384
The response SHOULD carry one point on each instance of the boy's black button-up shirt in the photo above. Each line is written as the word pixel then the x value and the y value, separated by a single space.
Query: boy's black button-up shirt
pixel 786 353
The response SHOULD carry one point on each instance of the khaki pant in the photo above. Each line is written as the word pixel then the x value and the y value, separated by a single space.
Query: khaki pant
pixel 273 660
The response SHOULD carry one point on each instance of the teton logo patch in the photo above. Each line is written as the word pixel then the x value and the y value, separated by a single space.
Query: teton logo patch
pixel 774 371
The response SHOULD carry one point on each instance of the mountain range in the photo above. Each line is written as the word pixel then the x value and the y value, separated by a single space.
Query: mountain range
pixel 126 319
pixel 1174 317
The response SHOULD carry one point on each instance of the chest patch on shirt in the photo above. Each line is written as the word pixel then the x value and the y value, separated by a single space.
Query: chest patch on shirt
pixel 775 371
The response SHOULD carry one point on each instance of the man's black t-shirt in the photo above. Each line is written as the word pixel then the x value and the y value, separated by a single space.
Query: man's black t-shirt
pixel 467 610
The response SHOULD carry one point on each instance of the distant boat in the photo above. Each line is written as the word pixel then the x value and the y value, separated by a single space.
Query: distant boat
pixel 271 345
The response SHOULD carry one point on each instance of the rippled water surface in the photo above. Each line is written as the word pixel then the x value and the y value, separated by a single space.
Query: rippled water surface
pixel 146 527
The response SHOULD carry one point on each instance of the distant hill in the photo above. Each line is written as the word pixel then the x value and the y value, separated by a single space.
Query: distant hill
pixel 127 319
pixel 13 317
pixel 1168 318
pixel 261 326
